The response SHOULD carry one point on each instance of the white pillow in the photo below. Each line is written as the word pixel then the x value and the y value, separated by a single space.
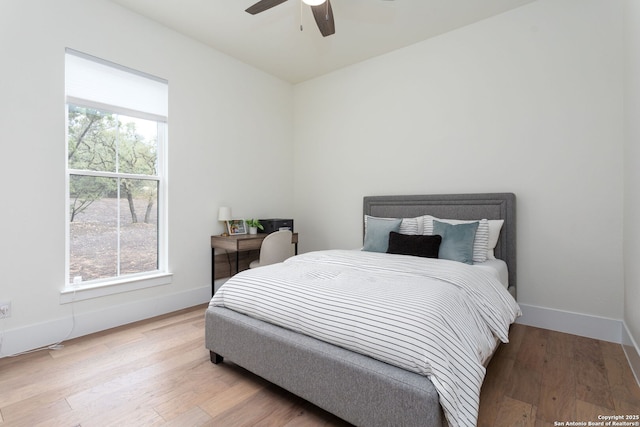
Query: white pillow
pixel 481 242
pixel 411 226
pixel 495 225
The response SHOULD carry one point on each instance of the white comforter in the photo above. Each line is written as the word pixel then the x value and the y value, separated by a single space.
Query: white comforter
pixel 434 317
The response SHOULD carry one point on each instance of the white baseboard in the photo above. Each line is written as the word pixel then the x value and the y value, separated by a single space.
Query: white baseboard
pixel 584 325
pixel 45 334
pixel 632 351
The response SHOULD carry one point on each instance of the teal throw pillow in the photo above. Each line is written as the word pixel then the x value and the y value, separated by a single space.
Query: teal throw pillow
pixel 457 240
pixel 376 238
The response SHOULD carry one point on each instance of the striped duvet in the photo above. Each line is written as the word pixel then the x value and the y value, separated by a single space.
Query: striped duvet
pixel 437 318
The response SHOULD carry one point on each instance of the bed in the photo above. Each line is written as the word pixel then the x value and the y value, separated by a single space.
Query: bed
pixel 360 389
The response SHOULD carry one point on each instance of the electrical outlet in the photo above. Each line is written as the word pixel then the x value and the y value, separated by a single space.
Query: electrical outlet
pixel 5 309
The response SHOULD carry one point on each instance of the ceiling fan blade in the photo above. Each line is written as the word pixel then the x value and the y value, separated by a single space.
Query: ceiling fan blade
pixel 324 18
pixel 263 5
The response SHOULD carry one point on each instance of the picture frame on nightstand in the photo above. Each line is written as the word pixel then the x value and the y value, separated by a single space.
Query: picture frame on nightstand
pixel 236 226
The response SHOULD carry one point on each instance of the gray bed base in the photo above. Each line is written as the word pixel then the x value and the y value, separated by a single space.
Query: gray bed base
pixel 356 388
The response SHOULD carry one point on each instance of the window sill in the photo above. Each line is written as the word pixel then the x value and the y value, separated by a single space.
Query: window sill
pixel 89 291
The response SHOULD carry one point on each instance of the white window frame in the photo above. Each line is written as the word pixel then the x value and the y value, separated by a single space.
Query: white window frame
pixel 123 283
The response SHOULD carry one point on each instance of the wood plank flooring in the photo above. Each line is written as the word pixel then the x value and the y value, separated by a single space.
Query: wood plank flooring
pixel 157 372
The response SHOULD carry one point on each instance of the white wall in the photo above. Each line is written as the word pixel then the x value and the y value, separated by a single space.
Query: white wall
pixel 632 179
pixel 528 102
pixel 229 125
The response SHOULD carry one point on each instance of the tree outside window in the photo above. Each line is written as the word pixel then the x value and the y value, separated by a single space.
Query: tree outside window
pixel 113 194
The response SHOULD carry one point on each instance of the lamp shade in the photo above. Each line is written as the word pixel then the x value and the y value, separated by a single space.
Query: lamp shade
pixel 314 2
pixel 224 214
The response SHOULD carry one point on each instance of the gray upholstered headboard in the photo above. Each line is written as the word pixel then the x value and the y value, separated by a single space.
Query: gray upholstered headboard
pixel 457 206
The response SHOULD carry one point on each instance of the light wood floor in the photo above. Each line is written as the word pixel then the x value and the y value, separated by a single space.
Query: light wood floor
pixel 157 372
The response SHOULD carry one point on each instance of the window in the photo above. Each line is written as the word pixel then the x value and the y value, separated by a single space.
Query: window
pixel 116 190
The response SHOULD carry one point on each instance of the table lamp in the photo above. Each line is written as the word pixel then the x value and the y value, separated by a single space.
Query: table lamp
pixel 224 214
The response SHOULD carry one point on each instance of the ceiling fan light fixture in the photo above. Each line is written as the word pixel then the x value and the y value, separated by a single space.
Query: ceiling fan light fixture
pixel 314 2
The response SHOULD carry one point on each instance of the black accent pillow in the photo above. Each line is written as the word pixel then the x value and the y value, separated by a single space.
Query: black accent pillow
pixel 419 245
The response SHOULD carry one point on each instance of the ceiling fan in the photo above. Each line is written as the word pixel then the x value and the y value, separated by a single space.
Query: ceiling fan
pixel 322 12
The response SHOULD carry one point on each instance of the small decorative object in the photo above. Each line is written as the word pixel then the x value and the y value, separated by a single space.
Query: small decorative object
pixel 224 215
pixel 253 225
pixel 236 226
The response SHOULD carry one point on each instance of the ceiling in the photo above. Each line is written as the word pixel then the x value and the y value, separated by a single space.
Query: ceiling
pixel 272 40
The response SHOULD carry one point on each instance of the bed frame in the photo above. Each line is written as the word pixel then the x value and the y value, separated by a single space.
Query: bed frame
pixel 458 206
pixel 356 388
